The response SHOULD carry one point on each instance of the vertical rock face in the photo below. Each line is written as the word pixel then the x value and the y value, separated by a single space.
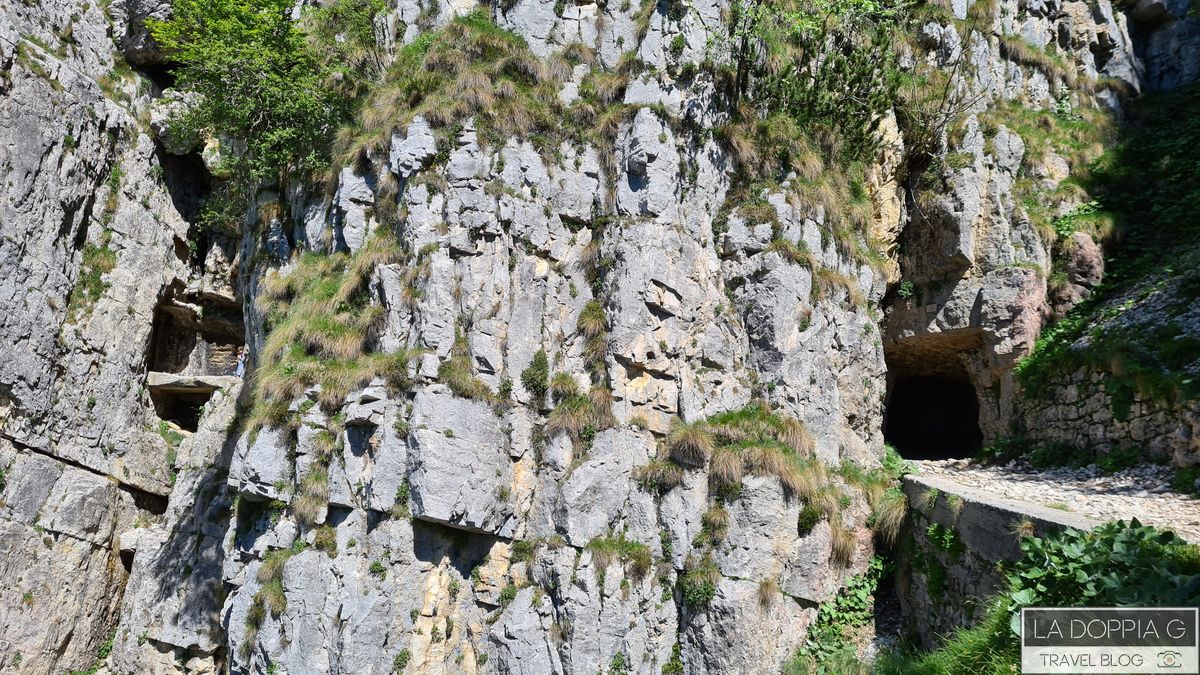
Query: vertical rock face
pixel 979 246
pixel 460 522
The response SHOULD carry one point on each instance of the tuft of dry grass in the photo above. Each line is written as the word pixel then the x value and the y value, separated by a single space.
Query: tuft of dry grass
pixel 715 523
pixel 1015 48
pixel 768 591
pixel 1024 528
pixel 457 374
pixel 563 386
pixel 313 498
pixel 592 321
pixel 726 470
pixel 690 444
pixel 889 514
pixel 582 415
pixel 842 542
pixel 659 476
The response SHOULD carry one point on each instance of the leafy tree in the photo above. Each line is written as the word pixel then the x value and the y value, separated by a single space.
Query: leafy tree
pixel 279 87
pixel 824 63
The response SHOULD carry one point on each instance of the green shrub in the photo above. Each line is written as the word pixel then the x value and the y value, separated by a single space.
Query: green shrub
pixel 508 594
pixel 401 661
pixel 281 87
pixel 535 378
pixel 698 584
pixel 1116 564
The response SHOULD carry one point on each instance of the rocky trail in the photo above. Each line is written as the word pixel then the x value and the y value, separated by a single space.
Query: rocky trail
pixel 1143 492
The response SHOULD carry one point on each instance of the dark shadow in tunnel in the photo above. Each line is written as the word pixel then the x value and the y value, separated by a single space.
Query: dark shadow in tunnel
pixel 933 417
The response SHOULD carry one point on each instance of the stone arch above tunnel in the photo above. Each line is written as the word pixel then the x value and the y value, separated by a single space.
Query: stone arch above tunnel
pixel 933 404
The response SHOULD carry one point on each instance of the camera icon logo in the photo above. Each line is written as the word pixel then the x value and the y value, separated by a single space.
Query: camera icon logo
pixel 1170 659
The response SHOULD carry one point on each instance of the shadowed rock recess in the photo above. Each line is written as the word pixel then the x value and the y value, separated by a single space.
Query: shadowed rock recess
pixel 576 352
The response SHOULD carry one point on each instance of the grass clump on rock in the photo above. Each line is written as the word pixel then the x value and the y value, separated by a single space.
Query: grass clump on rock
pixel 320 325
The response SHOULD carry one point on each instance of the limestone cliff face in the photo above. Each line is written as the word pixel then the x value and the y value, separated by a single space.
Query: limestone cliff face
pixel 480 534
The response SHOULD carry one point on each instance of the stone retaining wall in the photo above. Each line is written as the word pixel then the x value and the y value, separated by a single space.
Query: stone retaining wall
pixel 1082 413
pixel 954 537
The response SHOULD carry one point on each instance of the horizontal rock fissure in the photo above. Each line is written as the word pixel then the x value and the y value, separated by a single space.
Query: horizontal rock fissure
pixel 156 504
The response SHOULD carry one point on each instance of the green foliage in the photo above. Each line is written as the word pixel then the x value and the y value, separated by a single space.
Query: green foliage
pixel 1116 564
pixel 401 661
pixel 400 508
pixel 894 465
pixel 101 656
pixel 97 261
pixel 279 87
pixel 1148 183
pixel 827 638
pixel 1184 479
pixel 1040 455
pixel 536 377
pixel 906 290
pixel 633 555
pixel 698 583
pixel 1070 222
pixel 523 550
pixel 824 65
pixel 945 539
pixel 377 569
pixel 810 515
pixel 508 594
pixel 674 666
pixel 982 649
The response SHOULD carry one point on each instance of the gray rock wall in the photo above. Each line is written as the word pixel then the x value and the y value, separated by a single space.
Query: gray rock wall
pixel 463 535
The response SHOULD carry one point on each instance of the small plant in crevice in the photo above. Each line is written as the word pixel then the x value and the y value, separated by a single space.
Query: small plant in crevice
pixel 90 285
pixel 698 583
pixel 457 373
pixel 829 635
pixel 400 507
pixel 634 556
pixel 400 662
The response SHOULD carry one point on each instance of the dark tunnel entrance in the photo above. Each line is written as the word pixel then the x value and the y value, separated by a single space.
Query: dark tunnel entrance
pixel 933 417
pixel 932 408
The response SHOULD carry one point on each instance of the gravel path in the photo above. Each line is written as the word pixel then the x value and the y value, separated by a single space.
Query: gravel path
pixel 1143 491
